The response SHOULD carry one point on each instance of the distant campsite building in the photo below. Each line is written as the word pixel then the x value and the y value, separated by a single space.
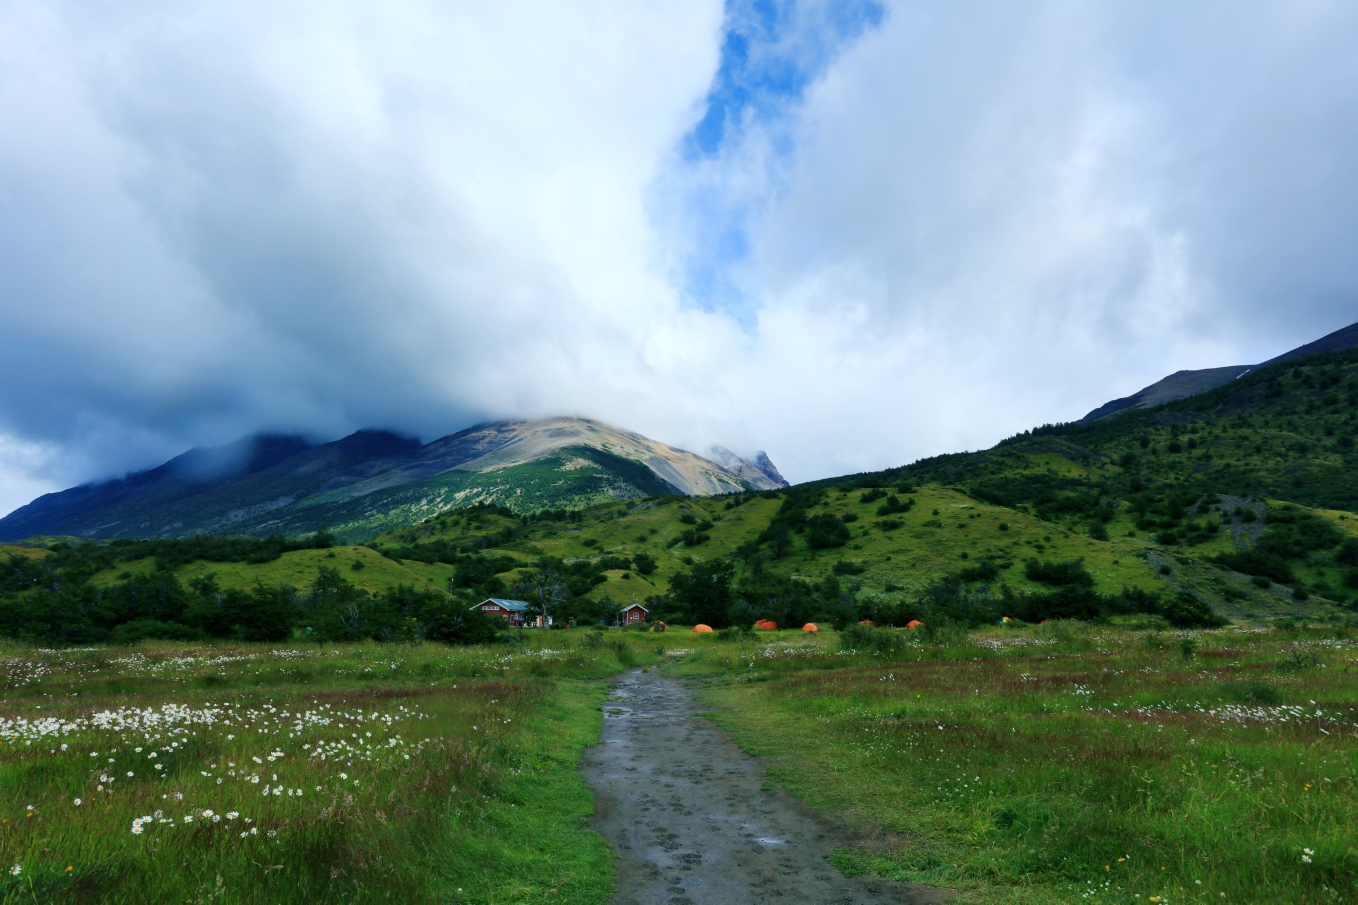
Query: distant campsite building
pixel 633 614
pixel 515 612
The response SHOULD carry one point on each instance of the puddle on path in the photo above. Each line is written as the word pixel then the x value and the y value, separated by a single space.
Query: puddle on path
pixel 689 822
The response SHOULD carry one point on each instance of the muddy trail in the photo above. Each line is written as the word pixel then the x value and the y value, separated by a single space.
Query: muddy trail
pixel 689 821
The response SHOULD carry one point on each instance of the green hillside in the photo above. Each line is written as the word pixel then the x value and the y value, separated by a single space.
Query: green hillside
pixel 1237 504
pixel 572 478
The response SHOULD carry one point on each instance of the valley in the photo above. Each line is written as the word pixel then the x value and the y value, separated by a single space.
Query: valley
pixel 1106 662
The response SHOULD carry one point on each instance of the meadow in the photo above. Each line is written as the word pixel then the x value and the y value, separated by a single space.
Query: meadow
pixel 1056 763
pixel 1066 762
pixel 256 773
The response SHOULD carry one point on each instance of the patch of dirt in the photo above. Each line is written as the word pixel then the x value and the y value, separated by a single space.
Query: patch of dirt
pixel 691 823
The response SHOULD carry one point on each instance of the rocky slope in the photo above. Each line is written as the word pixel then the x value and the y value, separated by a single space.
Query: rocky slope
pixel 376 480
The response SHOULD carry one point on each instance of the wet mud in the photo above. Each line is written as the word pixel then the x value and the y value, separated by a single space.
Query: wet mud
pixel 690 823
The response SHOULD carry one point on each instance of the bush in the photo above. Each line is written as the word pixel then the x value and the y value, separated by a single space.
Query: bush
pixel 1185 610
pixel 453 621
pixel 144 629
pixel 893 505
pixel 870 639
pixel 1059 574
pixel 692 537
pixel 826 531
pixel 982 571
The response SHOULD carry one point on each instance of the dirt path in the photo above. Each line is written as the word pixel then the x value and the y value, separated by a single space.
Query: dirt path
pixel 690 823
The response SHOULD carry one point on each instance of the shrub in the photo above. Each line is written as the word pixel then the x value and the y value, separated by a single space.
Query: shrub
pixel 982 571
pixel 1059 574
pixel 870 639
pixel 1185 610
pixel 825 531
pixel 893 505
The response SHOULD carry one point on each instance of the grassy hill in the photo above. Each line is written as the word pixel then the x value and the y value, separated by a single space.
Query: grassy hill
pixel 1238 502
pixel 628 552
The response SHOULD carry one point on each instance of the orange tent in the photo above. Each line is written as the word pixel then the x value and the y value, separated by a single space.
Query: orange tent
pixel 767 625
pixel 867 622
pixel 810 627
pixel 701 629
pixel 913 623
pixel 659 626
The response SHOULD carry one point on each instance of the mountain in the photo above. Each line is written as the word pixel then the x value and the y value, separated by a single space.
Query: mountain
pixel 1182 384
pixel 756 471
pixel 1286 431
pixel 1339 340
pixel 1179 385
pixel 377 480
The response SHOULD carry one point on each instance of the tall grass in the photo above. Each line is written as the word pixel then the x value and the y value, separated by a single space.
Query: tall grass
pixel 276 774
pixel 1073 763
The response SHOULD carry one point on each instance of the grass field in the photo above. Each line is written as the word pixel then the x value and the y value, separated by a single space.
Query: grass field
pixel 1068 762
pixel 1054 763
pixel 362 773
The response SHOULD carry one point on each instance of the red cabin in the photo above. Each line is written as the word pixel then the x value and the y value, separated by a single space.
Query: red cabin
pixel 513 611
pixel 634 614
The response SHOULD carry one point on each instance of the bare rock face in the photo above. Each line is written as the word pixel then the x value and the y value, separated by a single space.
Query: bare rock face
pixel 761 473
pixel 764 464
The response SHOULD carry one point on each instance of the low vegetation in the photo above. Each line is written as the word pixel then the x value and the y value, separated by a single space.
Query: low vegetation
pixel 1066 762
pixel 359 773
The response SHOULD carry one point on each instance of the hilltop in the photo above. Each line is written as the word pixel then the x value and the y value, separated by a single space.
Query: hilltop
pixel 1182 384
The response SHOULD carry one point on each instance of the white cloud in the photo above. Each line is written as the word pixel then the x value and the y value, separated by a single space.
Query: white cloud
pixel 323 216
pixel 996 216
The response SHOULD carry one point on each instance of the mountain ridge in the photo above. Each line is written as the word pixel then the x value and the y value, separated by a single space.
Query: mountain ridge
pixel 1182 384
pixel 280 482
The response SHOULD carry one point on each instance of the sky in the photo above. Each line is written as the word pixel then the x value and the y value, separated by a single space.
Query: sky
pixel 849 232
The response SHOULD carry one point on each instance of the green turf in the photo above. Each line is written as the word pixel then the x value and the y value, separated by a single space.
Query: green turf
pixel 1068 763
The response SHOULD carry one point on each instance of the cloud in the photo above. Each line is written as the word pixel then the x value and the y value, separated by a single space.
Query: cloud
pixel 994 216
pixel 850 233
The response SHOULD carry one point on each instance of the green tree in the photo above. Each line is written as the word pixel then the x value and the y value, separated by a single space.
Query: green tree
pixel 543 588
pixel 703 594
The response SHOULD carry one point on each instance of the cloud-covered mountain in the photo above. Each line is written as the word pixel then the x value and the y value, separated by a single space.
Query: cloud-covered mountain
pixel 374 480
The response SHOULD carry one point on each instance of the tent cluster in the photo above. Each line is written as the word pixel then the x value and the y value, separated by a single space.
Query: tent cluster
pixel 766 625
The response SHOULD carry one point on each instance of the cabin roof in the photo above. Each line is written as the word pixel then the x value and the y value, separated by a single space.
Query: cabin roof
pixel 514 606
